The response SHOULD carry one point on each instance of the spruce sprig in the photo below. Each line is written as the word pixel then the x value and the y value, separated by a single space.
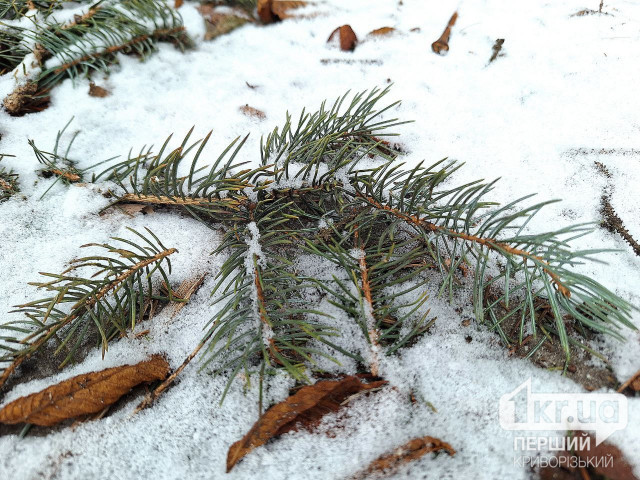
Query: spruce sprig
pixel 331 186
pixel 157 179
pixel 104 295
pixel 460 227
pixel 92 43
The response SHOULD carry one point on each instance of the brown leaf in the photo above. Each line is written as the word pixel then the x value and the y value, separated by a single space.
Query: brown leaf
pixel 96 91
pixel 178 3
pixel 410 451
pixel 82 394
pixel 265 13
pixel 305 408
pixel 348 39
pixel 382 31
pixel 442 44
pixel 617 469
pixel 253 112
pixel 280 8
pixel 218 23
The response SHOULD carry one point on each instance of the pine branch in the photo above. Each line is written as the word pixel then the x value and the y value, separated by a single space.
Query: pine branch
pixel 108 302
pixel 457 223
pixel 380 225
pixel 92 42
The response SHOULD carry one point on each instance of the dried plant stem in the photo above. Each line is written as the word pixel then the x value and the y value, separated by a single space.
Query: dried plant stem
pixel 170 379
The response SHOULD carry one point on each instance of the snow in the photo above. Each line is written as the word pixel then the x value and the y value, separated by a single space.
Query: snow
pixel 538 117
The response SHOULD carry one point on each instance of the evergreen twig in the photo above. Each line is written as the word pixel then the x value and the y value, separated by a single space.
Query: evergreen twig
pixel 108 302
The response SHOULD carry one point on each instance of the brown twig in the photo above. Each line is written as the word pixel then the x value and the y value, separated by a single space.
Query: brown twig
pixel 149 399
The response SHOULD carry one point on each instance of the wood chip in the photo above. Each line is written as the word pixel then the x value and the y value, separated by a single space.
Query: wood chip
pixel 219 23
pixel 348 39
pixel 83 394
pixel 303 409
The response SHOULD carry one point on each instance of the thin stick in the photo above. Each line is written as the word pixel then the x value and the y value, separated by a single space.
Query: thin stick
pixel 164 385
pixel 633 378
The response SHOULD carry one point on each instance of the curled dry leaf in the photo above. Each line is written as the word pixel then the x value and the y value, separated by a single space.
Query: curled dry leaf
pixel 348 39
pixel 83 394
pixel 264 11
pixel 442 44
pixel 305 408
pixel 410 451
pixel 280 8
pixel 97 91
pixel 379 32
pixel 253 112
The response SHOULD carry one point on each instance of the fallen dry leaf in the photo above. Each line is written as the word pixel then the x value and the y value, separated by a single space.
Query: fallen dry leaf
pixel 264 11
pixel 617 469
pixel 178 3
pixel 253 112
pixel 348 39
pixel 82 394
pixel 280 8
pixel 305 408
pixel 219 23
pixel 382 31
pixel 410 451
pixel 442 44
pixel 96 91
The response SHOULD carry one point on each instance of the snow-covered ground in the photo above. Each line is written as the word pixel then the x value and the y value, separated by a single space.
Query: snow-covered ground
pixel 566 88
